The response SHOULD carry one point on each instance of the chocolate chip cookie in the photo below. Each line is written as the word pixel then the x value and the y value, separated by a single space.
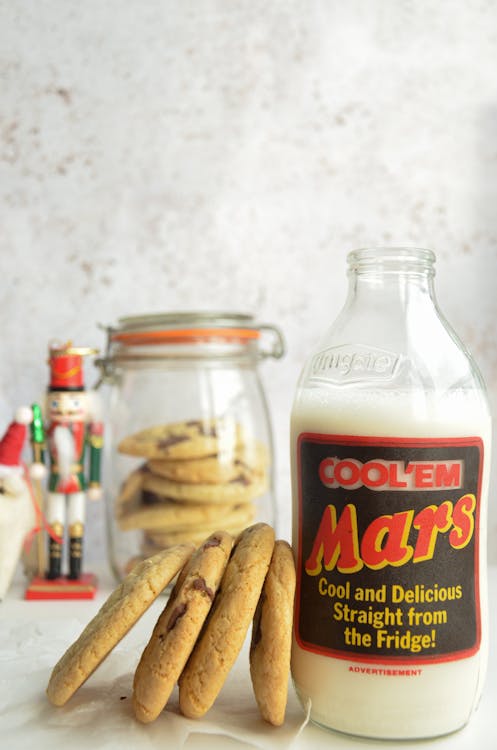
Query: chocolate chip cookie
pixel 117 615
pixel 225 630
pixel 180 440
pixel 178 626
pixel 272 636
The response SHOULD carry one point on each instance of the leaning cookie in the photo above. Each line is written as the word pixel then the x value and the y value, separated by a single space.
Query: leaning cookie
pixel 272 636
pixel 117 615
pixel 225 630
pixel 178 627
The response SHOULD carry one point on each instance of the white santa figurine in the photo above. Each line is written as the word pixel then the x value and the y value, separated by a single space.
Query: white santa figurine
pixel 17 512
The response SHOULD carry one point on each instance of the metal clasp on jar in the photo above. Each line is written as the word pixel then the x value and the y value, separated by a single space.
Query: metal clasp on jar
pixel 277 345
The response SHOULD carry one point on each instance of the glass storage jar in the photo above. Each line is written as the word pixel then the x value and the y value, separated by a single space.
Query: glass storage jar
pixel 188 432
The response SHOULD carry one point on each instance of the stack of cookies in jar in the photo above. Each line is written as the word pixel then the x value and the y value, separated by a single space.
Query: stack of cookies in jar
pixel 196 477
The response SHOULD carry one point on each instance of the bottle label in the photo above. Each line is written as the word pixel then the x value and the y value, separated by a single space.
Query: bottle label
pixel 388 547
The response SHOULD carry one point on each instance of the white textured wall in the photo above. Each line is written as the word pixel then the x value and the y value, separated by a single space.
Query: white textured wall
pixel 163 155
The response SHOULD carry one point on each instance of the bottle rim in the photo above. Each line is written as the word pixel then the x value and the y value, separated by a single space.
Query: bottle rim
pixel 392 258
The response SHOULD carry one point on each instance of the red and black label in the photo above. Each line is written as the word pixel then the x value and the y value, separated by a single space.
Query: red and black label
pixel 388 547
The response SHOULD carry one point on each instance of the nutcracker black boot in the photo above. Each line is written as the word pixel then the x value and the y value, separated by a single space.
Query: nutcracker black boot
pixel 75 551
pixel 55 553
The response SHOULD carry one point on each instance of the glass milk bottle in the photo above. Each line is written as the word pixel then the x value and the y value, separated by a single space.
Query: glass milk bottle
pixel 390 437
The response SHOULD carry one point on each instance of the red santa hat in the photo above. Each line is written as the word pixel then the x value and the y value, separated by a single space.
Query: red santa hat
pixel 12 443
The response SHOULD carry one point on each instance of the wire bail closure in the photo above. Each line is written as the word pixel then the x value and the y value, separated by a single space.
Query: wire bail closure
pixel 142 333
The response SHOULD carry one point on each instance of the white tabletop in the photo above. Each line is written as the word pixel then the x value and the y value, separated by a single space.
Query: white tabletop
pixel 34 634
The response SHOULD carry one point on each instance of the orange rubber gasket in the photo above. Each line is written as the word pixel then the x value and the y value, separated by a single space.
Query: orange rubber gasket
pixel 182 336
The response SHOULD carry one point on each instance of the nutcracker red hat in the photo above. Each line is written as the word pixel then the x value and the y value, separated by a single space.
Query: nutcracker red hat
pixel 66 367
pixel 12 443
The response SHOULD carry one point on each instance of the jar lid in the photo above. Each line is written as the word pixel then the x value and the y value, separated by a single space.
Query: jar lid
pixel 182 327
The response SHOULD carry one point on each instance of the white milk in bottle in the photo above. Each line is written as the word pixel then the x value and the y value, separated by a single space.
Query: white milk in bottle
pixel 390 437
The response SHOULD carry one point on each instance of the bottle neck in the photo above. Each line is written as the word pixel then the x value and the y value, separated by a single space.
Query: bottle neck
pixel 394 274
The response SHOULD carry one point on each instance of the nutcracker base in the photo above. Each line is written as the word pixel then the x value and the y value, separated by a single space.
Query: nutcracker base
pixel 62 588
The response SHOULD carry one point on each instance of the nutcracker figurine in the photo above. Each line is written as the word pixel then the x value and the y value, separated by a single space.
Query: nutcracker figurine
pixel 72 425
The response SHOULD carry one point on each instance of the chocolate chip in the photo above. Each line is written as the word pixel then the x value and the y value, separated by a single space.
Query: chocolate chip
pixel 212 542
pixel 170 441
pixel 176 615
pixel 151 498
pixel 242 464
pixel 199 584
pixel 240 480
pixel 202 428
